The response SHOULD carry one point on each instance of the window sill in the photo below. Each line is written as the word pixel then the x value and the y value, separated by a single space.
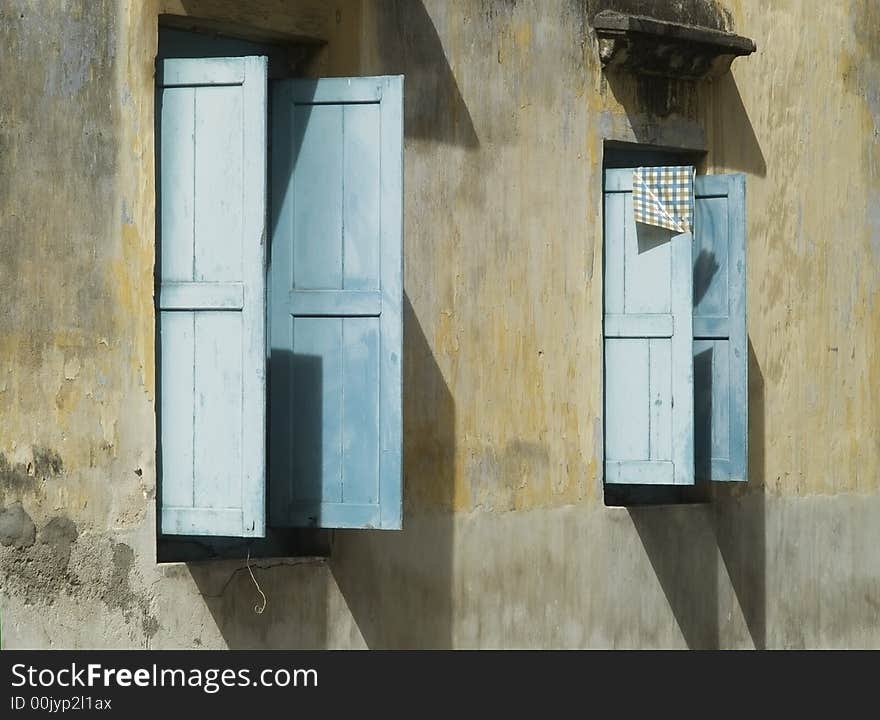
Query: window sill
pixel 296 543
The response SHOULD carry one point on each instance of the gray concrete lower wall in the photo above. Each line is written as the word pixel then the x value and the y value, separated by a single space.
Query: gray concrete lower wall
pixel 737 573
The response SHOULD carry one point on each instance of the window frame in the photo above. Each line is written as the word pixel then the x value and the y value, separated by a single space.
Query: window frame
pixel 618 154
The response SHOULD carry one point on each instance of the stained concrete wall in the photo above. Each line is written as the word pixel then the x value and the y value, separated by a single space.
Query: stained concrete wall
pixel 507 539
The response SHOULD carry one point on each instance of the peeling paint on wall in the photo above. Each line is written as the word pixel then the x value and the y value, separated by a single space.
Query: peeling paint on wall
pixel 16 527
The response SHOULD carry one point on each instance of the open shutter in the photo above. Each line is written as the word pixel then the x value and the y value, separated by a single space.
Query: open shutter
pixel 648 354
pixel 720 340
pixel 336 284
pixel 212 176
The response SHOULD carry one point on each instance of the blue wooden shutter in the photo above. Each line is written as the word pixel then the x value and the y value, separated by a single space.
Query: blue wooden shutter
pixel 648 346
pixel 336 283
pixel 720 340
pixel 212 205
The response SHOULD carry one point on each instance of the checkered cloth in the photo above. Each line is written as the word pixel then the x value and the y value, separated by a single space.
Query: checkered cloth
pixel 664 196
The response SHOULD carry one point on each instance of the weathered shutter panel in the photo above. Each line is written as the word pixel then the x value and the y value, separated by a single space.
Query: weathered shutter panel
pixel 720 339
pixel 212 327
pixel 648 354
pixel 336 291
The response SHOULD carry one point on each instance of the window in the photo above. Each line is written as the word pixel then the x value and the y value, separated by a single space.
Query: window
pixel 313 293
pixel 675 344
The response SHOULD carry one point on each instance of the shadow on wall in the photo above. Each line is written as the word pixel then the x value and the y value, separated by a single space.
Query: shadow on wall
pixel 664 112
pixel 740 519
pixel 295 615
pixel 398 585
pixel 684 545
pixel 733 142
pixel 408 43
pixel 692 547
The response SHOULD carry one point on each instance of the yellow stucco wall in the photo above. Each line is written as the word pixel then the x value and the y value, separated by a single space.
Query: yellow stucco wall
pixel 507 539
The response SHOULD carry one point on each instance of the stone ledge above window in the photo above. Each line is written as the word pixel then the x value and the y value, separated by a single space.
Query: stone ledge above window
pixel 644 45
